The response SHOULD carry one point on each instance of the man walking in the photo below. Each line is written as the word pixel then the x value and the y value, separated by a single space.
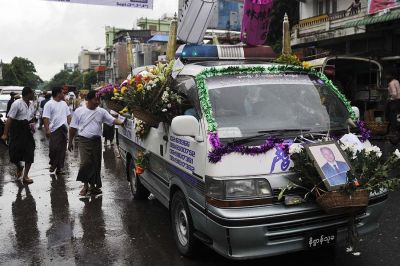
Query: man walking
pixel 56 118
pixel 10 102
pixel 19 130
pixel 87 121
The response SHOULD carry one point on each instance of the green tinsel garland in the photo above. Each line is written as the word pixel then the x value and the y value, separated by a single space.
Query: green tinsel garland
pixel 274 69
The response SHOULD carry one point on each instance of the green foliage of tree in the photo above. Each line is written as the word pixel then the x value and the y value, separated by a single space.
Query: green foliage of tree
pixel 20 72
pixel 76 78
pixel 280 7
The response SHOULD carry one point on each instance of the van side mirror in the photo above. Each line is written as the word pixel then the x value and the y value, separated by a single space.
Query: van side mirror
pixel 185 125
pixel 356 111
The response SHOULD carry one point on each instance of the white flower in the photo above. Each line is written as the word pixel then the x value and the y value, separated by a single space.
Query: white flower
pixel 373 149
pixel 148 88
pixel 164 110
pixel 169 105
pixel 397 153
pixel 295 148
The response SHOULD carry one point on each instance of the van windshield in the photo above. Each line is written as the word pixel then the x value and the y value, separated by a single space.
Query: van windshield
pixel 250 104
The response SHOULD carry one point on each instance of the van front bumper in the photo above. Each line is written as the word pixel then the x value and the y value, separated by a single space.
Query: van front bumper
pixel 244 233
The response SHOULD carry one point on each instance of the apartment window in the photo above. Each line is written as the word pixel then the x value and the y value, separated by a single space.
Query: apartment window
pixel 327 6
pixel 334 6
pixel 153 27
pixel 320 7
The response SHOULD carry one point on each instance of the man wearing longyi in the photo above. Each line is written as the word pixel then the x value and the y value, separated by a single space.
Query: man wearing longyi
pixel 87 121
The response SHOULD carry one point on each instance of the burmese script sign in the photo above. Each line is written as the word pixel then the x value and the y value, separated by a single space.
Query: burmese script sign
pixel 379 5
pixel 120 3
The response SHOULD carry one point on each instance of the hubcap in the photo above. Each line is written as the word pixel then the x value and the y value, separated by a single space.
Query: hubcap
pixel 181 225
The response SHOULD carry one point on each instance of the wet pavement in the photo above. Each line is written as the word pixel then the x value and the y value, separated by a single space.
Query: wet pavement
pixel 46 223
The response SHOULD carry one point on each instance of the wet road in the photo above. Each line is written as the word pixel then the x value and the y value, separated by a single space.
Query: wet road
pixel 47 224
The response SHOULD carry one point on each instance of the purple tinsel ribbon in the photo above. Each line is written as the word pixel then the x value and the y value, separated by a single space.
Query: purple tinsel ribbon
pixel 365 132
pixel 219 150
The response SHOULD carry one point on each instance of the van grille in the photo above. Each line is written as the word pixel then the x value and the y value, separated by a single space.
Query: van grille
pixel 314 221
pixel 230 52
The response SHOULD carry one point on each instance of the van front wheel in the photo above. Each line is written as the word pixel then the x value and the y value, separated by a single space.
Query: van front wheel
pixel 182 226
pixel 138 190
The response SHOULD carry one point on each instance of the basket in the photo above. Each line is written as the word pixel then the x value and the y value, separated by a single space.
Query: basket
pixel 377 128
pixel 146 117
pixel 336 202
pixel 115 105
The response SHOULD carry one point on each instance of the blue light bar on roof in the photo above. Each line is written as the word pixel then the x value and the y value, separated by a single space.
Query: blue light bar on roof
pixel 199 52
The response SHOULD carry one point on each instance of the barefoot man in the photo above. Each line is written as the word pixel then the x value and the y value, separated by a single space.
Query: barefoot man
pixel 87 121
pixel 19 130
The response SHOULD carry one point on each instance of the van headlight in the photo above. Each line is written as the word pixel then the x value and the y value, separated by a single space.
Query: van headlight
pixel 238 192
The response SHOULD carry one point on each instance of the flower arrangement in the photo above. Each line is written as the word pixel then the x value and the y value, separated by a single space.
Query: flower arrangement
pixel 369 170
pixel 288 59
pixel 141 129
pixel 141 162
pixel 149 93
pixel 106 92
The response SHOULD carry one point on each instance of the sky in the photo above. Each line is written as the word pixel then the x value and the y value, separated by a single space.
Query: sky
pixel 52 33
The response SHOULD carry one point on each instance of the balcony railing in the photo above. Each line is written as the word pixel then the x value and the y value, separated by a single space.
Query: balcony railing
pixel 324 23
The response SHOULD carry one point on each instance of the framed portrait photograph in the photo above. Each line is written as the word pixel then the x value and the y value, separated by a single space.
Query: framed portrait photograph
pixel 332 164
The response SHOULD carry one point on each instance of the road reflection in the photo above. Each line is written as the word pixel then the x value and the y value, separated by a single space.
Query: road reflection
pixel 93 247
pixel 61 231
pixel 25 220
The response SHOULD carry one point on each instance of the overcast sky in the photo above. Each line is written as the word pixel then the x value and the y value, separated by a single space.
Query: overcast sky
pixel 51 33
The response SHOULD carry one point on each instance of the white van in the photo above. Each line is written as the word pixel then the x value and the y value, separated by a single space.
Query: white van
pixel 227 198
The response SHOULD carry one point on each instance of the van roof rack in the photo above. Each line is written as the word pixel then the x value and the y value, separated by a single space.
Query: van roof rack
pixel 207 52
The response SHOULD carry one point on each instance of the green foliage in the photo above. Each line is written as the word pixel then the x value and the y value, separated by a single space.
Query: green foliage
pixel 76 78
pixel 20 72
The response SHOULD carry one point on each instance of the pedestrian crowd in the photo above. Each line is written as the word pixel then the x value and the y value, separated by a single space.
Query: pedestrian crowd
pixel 64 118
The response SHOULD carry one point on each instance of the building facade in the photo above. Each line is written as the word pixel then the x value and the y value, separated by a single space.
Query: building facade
pixel 89 60
pixel 333 27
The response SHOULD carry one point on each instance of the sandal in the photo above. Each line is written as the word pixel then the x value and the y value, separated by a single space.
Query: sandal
pixel 95 191
pixel 84 191
pixel 52 170
pixel 27 180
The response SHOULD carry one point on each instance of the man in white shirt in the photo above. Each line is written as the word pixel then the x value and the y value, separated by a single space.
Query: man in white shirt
pixel 87 122
pixel 57 117
pixel 19 130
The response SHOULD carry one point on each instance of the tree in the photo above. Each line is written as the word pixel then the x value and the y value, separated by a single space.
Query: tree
pixel 20 72
pixel 291 7
pixel 76 78
pixel 89 79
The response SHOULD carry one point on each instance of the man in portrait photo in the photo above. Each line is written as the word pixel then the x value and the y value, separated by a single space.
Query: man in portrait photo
pixel 334 171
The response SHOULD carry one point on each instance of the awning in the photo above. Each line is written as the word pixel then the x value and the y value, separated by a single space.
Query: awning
pixel 158 38
pixel 392 15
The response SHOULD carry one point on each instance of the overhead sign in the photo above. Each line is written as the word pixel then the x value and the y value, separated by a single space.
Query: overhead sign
pixel 119 3
pixel 375 6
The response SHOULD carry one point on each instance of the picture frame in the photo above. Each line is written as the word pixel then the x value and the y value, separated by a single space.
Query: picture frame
pixel 331 163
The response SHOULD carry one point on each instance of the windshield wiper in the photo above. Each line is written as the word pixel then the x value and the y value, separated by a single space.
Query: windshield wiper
pixel 269 133
pixel 282 131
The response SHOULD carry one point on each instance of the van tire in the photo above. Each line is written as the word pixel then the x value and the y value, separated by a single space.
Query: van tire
pixel 139 192
pixel 182 225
